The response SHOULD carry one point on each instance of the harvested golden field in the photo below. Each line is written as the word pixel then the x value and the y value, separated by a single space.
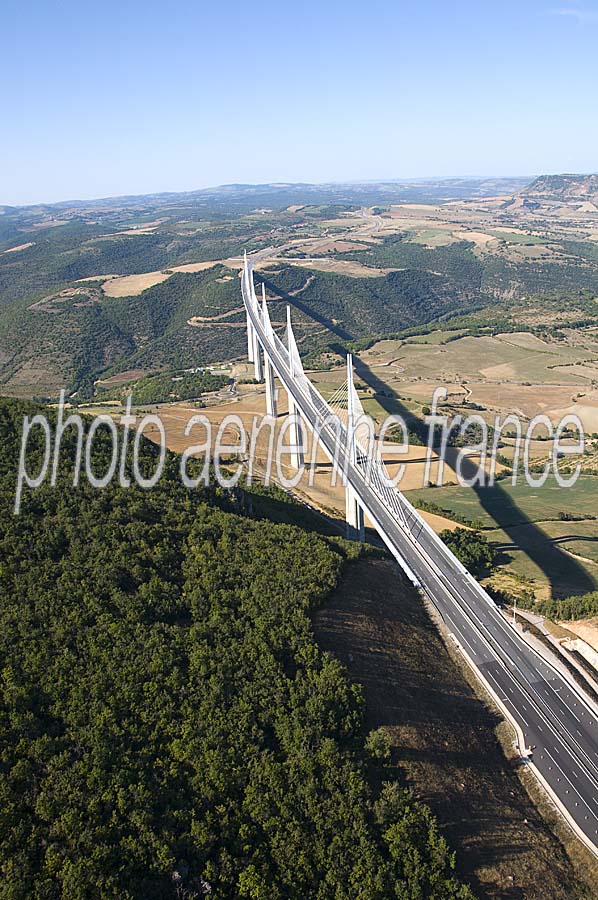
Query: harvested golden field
pixel 131 285
pixel 123 377
pixel 517 358
pixel 19 248
pixel 340 266
pixel 196 267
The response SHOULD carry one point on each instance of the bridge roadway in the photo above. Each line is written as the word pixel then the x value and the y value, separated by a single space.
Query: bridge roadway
pixel 550 713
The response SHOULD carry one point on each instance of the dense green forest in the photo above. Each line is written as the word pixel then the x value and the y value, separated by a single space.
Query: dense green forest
pixel 456 262
pixel 352 307
pixel 573 267
pixel 471 548
pixel 569 608
pixel 167 386
pixel 168 725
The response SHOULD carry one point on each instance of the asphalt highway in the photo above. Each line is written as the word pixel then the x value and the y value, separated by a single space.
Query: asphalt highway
pixel 554 717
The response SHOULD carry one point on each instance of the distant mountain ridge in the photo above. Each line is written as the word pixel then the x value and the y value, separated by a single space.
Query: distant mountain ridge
pixel 279 193
pixel 564 187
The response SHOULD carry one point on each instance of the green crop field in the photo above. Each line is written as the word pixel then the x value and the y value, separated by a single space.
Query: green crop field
pixel 471 357
pixel 506 504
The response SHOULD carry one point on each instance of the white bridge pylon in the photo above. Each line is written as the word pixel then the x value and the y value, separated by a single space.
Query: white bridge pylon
pixel 296 370
pixel 271 398
pixel 345 406
pixel 353 509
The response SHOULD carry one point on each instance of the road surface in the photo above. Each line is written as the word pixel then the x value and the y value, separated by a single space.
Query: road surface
pixel 552 715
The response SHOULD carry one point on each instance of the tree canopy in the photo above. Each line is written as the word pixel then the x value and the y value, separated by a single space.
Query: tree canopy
pixel 471 548
pixel 168 725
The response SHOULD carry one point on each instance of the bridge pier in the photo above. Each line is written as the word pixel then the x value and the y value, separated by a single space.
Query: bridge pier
pixel 257 357
pixel 295 435
pixel 250 339
pixel 353 508
pixel 271 400
pixel 354 516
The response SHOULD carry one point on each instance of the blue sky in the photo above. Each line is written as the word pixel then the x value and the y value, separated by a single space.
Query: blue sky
pixel 110 98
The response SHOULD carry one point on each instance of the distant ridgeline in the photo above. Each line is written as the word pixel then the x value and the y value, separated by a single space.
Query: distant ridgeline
pixel 57 330
pixel 564 187
pixel 167 721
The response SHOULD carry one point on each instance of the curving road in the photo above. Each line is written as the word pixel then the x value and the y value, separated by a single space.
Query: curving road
pixel 549 712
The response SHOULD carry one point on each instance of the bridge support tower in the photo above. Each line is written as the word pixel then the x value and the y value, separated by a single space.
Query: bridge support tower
pixel 354 516
pixel 257 357
pixel 295 428
pixel 271 392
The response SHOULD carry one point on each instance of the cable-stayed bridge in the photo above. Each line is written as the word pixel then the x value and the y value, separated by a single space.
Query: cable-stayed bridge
pixel 555 722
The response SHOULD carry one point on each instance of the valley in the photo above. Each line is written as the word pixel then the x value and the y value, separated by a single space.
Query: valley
pixel 490 296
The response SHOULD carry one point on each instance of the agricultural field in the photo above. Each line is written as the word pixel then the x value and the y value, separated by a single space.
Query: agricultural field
pixel 547 537
pixel 513 358
pixel 492 297
pixel 78 300
pixel 517 504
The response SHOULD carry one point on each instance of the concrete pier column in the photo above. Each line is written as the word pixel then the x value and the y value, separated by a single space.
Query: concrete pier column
pixel 257 357
pixel 250 339
pixel 353 509
pixel 354 516
pixel 295 435
pixel 271 404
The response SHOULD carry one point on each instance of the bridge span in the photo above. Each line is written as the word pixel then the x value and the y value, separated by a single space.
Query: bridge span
pixel 550 714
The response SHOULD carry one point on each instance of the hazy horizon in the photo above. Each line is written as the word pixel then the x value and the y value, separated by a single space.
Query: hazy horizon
pixel 138 98
pixel 296 183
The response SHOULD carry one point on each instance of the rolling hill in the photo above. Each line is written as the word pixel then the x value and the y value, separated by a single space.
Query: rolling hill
pixel 564 187
pixel 89 290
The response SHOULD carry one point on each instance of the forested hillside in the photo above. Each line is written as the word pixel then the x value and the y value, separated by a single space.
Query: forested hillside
pixel 353 307
pixel 168 725
pixel 571 267
pixel 350 272
pixel 75 338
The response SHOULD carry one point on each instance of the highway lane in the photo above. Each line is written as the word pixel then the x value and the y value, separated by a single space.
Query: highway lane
pixel 551 712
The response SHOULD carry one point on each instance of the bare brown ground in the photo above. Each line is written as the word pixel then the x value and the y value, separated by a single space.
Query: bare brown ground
pixel 445 740
pixel 341 266
pixel 121 377
pixel 19 248
pixel 586 629
pixel 316 486
pixel 338 245
pixel 479 238
pixel 96 278
pixel 196 267
pixel 130 285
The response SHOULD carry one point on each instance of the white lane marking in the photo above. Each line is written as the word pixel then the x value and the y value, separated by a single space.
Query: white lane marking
pixel 585 803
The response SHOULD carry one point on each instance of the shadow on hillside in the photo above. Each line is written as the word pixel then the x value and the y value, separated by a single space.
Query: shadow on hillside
pixel 443 742
pixel 565 574
pixel 294 301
